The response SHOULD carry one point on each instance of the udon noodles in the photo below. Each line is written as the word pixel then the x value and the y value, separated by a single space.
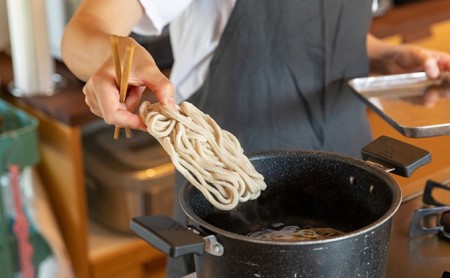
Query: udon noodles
pixel 294 233
pixel 210 158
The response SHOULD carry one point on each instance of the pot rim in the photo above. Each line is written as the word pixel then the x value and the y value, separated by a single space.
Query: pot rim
pixel 387 216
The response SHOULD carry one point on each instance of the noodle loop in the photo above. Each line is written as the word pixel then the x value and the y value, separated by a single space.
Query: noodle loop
pixel 210 158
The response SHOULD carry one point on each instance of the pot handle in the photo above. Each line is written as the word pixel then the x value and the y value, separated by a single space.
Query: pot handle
pixel 399 157
pixel 167 235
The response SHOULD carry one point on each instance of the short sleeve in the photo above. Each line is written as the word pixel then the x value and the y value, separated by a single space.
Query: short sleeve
pixel 159 13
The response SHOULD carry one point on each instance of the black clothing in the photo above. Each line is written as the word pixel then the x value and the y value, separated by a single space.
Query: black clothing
pixel 278 79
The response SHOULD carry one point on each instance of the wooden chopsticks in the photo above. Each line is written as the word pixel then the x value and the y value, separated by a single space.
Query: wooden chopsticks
pixel 122 76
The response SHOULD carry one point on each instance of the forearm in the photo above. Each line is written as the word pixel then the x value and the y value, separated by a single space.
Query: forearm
pixel 84 51
pixel 85 43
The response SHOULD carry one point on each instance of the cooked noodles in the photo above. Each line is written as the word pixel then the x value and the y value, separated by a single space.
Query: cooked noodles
pixel 210 158
pixel 295 233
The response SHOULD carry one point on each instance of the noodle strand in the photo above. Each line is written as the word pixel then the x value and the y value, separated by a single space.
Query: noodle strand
pixel 210 158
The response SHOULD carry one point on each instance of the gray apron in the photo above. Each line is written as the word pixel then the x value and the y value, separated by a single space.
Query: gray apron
pixel 278 80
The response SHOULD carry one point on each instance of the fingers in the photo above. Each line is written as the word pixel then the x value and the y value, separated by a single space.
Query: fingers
pixel 431 67
pixel 411 58
pixel 151 77
pixel 165 93
pixel 124 118
pixel 435 62
pixel 443 61
pixel 102 97
pixel 133 98
pixel 102 92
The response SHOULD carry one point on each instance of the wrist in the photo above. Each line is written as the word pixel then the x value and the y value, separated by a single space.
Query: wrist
pixel 381 54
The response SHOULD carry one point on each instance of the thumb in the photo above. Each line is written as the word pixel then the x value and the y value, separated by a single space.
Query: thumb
pixel 165 93
pixel 160 85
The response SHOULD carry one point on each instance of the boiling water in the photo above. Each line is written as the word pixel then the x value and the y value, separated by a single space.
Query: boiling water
pixel 295 233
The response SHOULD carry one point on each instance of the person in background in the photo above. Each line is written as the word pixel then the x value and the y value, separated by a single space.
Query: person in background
pixel 273 73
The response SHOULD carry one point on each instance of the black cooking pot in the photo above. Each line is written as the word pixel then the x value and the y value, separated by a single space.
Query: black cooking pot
pixel 306 189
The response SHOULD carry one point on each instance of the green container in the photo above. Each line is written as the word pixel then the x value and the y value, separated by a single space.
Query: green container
pixel 19 146
pixel 18 137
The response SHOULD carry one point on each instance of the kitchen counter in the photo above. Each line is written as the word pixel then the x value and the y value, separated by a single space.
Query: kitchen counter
pixel 411 21
pixel 66 105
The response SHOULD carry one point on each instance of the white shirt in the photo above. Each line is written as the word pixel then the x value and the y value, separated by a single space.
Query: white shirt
pixel 195 30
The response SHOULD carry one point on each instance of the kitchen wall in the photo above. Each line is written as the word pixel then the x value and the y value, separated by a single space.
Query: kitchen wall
pixel 58 12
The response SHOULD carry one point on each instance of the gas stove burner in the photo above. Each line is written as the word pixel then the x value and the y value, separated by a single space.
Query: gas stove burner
pixel 422 216
pixel 431 220
pixel 427 197
pixel 445 222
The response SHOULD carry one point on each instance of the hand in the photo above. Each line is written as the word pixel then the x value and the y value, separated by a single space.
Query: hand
pixel 410 58
pixel 102 92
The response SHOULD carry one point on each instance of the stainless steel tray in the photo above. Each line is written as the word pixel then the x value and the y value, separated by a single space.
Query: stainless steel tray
pixel 412 103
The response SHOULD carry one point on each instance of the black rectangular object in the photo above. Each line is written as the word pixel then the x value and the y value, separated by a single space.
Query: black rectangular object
pixel 167 235
pixel 392 153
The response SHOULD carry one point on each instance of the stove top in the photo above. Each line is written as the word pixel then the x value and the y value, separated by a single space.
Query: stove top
pixel 422 256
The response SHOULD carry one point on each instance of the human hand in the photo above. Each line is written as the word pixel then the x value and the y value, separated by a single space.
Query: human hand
pixel 102 92
pixel 410 58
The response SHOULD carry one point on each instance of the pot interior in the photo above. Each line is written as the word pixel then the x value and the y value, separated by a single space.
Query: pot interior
pixel 308 189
